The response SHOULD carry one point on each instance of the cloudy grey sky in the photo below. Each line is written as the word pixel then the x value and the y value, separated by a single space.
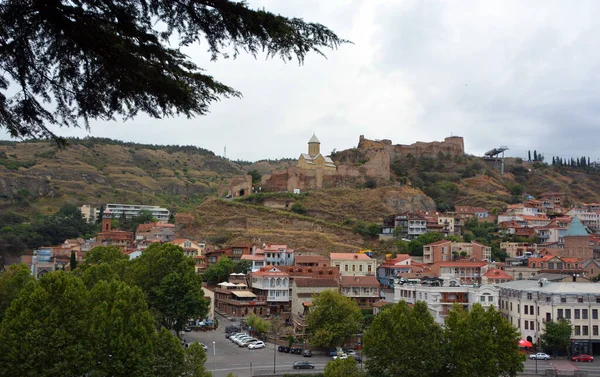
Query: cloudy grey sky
pixel 524 74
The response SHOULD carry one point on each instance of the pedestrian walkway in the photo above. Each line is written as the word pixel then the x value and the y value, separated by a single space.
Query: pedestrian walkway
pixel 563 365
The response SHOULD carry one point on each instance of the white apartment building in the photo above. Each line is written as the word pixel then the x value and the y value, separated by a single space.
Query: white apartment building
pixel 132 210
pixel 440 299
pixel 529 304
pixel 271 283
pixel 587 217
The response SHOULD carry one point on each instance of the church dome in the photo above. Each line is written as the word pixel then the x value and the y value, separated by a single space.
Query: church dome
pixel 314 140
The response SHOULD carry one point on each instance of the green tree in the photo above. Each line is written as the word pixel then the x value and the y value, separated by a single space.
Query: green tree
pixel 11 283
pixel 169 355
pixel 486 334
pixel 404 341
pixel 298 208
pixel 121 333
pixel 195 359
pixel 342 368
pixel 43 330
pixel 332 319
pixel 51 51
pixel 256 176
pixel 557 335
pixel 173 288
pixel 107 254
pixel 219 272
pixel 242 266
pixel 258 324
pixel 73 261
pixel 416 245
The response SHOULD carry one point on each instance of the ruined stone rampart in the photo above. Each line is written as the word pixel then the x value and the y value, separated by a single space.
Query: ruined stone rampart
pixel 453 145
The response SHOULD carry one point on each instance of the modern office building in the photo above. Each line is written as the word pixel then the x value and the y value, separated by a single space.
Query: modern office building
pixel 115 211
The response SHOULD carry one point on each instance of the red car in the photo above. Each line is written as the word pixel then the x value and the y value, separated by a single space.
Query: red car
pixel 583 358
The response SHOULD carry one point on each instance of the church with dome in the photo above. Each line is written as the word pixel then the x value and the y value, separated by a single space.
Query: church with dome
pixel 314 159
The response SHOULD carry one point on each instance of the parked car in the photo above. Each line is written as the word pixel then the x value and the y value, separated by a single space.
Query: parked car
pixel 235 337
pixel 201 345
pixel 295 350
pixel 232 328
pixel 303 365
pixel 242 339
pixel 341 356
pixel 583 358
pixel 539 356
pixel 333 352
pixel 187 329
pixel 256 345
pixel 283 349
pixel 350 352
pixel 307 353
pixel 247 342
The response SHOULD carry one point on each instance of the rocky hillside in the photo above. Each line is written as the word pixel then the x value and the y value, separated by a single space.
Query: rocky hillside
pixel 37 177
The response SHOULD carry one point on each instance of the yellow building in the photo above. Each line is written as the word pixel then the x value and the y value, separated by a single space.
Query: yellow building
pixel 314 159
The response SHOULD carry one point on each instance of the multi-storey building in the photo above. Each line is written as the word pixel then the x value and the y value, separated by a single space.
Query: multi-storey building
pixel 590 219
pixel 274 284
pixel 578 243
pixel 529 304
pixel 460 272
pixel 277 255
pixel 362 289
pixel 115 211
pixel 440 299
pixel 353 264
pixel 446 251
pixel 411 225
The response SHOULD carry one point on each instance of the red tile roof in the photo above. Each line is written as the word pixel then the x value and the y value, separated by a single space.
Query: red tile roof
pixel 349 256
pixel 496 273
pixel 312 282
pixel 462 264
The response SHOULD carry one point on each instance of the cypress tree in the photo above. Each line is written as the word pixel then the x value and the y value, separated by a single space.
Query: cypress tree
pixel 73 261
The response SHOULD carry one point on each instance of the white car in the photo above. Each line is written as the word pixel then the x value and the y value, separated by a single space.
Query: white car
pixel 247 342
pixel 201 345
pixel 241 339
pixel 341 356
pixel 539 356
pixel 236 337
pixel 256 345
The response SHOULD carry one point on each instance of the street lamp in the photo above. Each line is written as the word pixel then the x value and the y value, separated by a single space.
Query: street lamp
pixel 274 352
pixel 214 355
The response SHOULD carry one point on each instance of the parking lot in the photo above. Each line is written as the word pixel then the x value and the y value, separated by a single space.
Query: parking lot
pixel 227 357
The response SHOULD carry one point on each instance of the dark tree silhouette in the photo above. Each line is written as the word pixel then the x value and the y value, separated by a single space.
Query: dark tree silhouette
pixel 72 61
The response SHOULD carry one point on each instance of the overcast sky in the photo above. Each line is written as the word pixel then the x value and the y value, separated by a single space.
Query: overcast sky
pixel 524 74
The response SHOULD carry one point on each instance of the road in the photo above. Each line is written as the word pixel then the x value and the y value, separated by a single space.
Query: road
pixel 228 357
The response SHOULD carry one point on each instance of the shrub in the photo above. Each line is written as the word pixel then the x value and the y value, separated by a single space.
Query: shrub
pixel 298 208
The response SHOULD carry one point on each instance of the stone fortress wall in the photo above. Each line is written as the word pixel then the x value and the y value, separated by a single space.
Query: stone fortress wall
pixel 378 154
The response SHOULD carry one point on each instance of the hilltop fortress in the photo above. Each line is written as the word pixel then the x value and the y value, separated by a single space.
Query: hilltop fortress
pixel 350 168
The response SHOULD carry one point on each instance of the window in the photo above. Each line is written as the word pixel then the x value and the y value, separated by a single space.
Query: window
pixel 577 330
pixel 360 268
pixel 526 312
pixel 518 308
pixel 584 330
pixel 580 299
pixel 563 299
pixel 577 314
pixel 526 325
pixel 369 268
pixel 584 314
pixel 346 267
pixel 531 325
pixel 547 298
pixel 568 313
pixel 548 317
pixel 353 268
pixel 511 306
pixel 482 299
pixel 490 298
pixel 597 299
pixel 594 313
pixel 529 297
pixel 559 314
pixel 531 310
pixel 595 330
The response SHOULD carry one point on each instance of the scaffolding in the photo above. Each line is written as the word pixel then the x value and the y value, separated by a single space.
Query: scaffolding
pixel 497 155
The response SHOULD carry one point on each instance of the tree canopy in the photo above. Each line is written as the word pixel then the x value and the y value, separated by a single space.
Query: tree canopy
pixel 59 325
pixel 332 319
pixel 404 341
pixel 98 59
pixel 400 339
pixel 219 272
pixel 342 368
pixel 557 335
